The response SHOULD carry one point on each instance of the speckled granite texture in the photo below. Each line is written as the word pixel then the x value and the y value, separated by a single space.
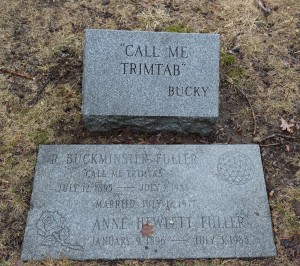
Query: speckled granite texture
pixel 151 81
pixel 148 202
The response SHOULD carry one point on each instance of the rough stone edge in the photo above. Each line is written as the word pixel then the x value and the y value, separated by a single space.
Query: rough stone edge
pixel 204 126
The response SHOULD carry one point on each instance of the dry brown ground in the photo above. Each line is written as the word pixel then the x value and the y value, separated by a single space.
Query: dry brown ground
pixel 260 84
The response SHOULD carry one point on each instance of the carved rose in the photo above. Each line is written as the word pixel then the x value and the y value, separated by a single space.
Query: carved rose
pixel 49 223
pixel 51 226
pixel 64 233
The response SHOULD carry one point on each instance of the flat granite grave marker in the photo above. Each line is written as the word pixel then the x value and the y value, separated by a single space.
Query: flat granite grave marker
pixel 151 81
pixel 148 202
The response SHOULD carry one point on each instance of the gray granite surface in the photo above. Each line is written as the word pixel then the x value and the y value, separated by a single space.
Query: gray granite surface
pixel 142 202
pixel 151 81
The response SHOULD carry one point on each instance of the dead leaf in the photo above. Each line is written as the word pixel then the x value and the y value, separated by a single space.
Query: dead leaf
pixel 287 148
pixel 263 6
pixel 147 230
pixel 286 125
pixel 289 242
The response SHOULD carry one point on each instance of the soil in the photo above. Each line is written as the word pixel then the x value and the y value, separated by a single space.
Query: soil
pixel 40 95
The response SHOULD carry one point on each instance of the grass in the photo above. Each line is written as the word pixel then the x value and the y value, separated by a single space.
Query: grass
pixel 180 28
pixel 44 40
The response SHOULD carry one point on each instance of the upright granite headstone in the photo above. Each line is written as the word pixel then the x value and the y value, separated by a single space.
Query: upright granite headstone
pixel 151 81
pixel 143 202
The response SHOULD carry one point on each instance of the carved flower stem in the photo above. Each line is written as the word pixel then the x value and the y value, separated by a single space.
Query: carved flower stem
pixel 67 245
